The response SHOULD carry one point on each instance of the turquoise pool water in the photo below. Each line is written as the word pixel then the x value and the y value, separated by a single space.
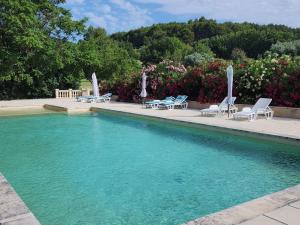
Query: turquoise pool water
pixel 105 169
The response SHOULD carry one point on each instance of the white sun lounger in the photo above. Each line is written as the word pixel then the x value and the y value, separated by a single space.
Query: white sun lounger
pixel 222 108
pixel 261 107
pixel 102 98
pixel 84 98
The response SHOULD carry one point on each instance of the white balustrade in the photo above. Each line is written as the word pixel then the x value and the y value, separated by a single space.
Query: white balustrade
pixel 70 93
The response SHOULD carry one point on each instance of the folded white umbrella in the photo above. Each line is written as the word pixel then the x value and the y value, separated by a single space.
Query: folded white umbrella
pixel 144 92
pixel 229 85
pixel 95 85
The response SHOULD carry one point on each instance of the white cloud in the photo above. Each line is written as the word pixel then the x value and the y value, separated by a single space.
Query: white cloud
pixel 258 11
pixel 113 15
pixel 133 16
pixel 99 7
pixel 75 1
pixel 105 8
pixel 95 20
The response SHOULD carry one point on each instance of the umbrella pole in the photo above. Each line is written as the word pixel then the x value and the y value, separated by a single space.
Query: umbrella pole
pixel 228 110
pixel 143 101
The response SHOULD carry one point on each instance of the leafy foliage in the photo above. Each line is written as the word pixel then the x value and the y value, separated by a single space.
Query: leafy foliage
pixel 197 59
pixel 100 54
pixel 253 42
pixel 222 38
pixel 203 49
pixel 38 50
pixel 238 55
pixel 170 48
pixel 273 76
pixel 286 48
pixel 36 56
pixel 43 48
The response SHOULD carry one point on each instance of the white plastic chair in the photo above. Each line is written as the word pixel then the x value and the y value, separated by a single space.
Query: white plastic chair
pixel 222 108
pixel 261 107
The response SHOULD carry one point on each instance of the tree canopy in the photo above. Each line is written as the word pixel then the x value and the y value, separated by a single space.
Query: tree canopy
pixel 36 55
pixel 170 48
pixel 221 38
pixel 42 47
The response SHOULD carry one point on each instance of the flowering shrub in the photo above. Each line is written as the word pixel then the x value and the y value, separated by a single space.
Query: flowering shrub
pixel 276 77
pixel 284 84
pixel 150 69
pixel 207 83
pixel 270 77
pixel 127 89
pixel 163 80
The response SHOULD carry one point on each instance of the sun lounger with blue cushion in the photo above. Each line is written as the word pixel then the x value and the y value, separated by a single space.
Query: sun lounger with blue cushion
pixel 102 98
pixel 155 103
pixel 179 102
pixel 84 98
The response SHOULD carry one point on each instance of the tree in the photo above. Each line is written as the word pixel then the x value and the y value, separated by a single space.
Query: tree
pixel 203 28
pixel 36 53
pixel 202 48
pixel 166 48
pixel 253 42
pixel 100 54
pixel 222 38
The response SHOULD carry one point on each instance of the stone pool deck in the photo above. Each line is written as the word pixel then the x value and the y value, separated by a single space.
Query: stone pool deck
pixel 275 209
pixel 13 210
pixel 280 208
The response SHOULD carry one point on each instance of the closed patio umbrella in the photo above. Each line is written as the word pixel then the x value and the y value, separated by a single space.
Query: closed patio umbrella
pixel 144 92
pixel 229 85
pixel 95 85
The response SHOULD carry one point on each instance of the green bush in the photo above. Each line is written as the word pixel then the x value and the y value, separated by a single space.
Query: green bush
pixel 286 48
pixel 238 55
pixel 202 48
pixel 197 59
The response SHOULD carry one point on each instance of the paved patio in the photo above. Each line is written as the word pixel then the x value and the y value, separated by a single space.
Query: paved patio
pixel 13 210
pixel 284 209
pixel 279 208
pixel 289 214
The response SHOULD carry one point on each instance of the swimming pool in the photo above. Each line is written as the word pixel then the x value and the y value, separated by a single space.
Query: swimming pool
pixel 114 169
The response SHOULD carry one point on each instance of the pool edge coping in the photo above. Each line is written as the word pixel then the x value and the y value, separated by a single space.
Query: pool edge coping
pixel 251 209
pixel 12 207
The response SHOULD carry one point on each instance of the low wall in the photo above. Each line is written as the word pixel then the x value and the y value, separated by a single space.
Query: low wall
pixel 286 112
pixel 55 108
pixel 114 97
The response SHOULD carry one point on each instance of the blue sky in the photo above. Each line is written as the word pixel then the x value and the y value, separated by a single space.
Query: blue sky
pixel 123 15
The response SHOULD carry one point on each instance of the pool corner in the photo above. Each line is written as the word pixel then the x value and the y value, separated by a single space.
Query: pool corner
pixel 12 209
